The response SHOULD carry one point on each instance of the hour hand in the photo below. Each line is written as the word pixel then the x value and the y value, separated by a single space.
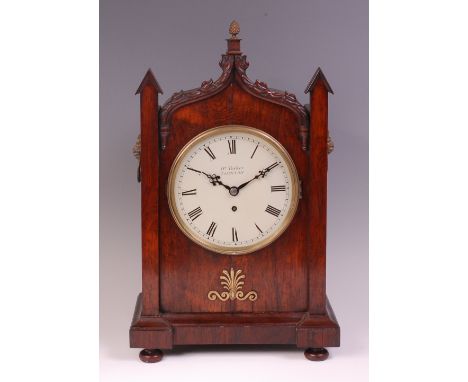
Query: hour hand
pixel 213 178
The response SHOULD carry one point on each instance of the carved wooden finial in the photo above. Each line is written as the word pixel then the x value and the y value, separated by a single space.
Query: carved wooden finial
pixel 234 29
pixel 234 42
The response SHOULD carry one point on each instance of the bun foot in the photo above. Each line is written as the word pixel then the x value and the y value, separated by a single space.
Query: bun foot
pixel 151 355
pixel 316 354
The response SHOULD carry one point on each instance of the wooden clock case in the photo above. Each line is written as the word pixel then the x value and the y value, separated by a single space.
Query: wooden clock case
pixel 288 276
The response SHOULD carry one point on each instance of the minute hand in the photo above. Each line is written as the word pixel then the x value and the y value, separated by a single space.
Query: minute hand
pixel 261 174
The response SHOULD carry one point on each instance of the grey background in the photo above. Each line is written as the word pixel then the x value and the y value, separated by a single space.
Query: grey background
pixel 182 41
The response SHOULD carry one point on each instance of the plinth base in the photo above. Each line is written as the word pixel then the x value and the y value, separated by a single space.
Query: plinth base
pixel 168 330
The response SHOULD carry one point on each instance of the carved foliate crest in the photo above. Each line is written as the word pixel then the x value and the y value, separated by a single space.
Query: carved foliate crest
pixel 234 68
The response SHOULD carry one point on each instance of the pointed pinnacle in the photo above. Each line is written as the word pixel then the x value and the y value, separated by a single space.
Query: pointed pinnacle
pixel 149 79
pixel 318 74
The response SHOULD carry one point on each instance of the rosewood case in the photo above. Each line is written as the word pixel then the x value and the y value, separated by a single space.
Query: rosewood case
pixel 289 275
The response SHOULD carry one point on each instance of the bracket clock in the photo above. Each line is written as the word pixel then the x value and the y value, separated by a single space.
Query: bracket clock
pixel 233 207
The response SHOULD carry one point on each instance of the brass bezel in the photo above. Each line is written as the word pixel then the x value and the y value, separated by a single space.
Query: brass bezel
pixel 224 130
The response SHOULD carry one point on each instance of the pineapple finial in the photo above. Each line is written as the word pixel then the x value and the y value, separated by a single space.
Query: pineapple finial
pixel 234 29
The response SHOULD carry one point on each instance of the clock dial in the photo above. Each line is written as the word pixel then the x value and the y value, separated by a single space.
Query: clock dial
pixel 233 189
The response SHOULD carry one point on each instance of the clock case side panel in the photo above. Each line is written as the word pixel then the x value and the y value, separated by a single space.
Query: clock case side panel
pixel 316 188
pixel 147 325
pixel 320 310
pixel 149 90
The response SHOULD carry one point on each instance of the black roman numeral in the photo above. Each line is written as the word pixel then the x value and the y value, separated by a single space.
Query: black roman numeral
pixel 234 235
pixel 256 147
pixel 212 229
pixel 232 146
pixel 258 228
pixel 272 210
pixel 189 192
pixel 209 152
pixel 195 213
pixel 278 188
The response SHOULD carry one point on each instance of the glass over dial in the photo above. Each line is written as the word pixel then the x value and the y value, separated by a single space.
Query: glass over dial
pixel 233 189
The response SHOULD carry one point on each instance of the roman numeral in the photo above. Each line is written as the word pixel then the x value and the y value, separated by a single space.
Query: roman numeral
pixel 232 146
pixel 234 235
pixel 278 188
pixel 209 152
pixel 190 192
pixel 212 229
pixel 272 210
pixel 256 147
pixel 258 228
pixel 195 213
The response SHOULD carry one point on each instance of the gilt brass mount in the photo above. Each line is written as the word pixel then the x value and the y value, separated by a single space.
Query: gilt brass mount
pixel 232 282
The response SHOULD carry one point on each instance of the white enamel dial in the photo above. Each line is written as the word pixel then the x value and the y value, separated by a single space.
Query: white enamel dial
pixel 233 189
